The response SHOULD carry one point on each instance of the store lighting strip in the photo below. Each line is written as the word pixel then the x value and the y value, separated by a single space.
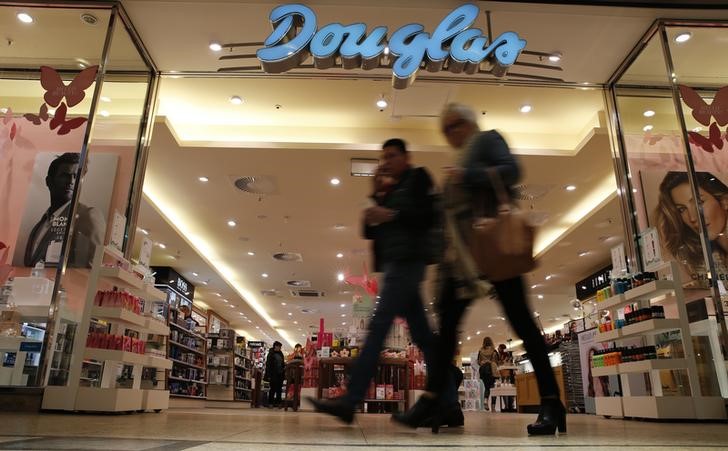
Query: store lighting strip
pixel 589 204
pixel 205 251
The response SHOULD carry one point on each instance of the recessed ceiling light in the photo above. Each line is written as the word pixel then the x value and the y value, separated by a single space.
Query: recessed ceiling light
pixel 249 321
pixel 382 103
pixel 540 296
pixel 555 57
pixel 232 223
pixel 490 326
pixel 203 179
pixel 570 187
pixel 105 99
pixel 257 327
pixel 648 113
pixel 583 254
pixel 343 323
pixel 241 314
pixel 236 100
pixel 340 277
pixel 215 46
pixel 534 286
pixel 265 275
pixel 468 337
pixel 251 253
pixel 549 277
pixel 145 231
pixel 525 108
pixel 195 274
pixel 339 226
pixel 290 313
pixel 225 301
pixel 335 181
pixel 283 303
pixel 295 322
pixel 232 306
pixel 343 315
pixel 386 50
pixel 25 17
pixel 81 66
pixel 162 245
pixel 104 113
pixel 339 255
pixel 647 128
pixel 460 342
pixel 683 37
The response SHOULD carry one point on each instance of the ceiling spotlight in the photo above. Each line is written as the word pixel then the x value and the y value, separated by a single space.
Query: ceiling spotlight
pixel 525 108
pixel 570 188
pixel 386 50
pixel 555 57
pixel 339 226
pixel 460 342
pixel 145 231
pixel 251 254
pixel 25 17
pixel 218 295
pixel 295 322
pixel 265 275
pixel 162 245
pixel 648 113
pixel 683 37
pixel 549 277
pixel 540 296
pixel 232 223
pixel 339 255
pixel 241 314
pixel 283 304
pixel 344 323
pixel 534 286
pixel 105 99
pixel 226 301
pixel 203 179
pixel 468 337
pixel 231 306
pixel 195 274
pixel 490 326
pixel 236 100
pixel 335 181
pixel 290 313
pixel 477 333
pixel 583 254
pixel 343 305
pixel 382 103
pixel 647 128
pixel 343 315
pixel 104 113
pixel 340 277
pixel 215 46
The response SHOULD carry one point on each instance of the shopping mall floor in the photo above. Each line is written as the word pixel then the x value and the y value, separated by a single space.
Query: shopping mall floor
pixel 263 429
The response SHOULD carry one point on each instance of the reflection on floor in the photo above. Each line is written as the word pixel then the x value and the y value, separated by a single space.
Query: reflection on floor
pixel 263 430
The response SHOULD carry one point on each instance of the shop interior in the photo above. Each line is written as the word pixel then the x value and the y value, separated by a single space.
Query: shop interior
pixel 249 216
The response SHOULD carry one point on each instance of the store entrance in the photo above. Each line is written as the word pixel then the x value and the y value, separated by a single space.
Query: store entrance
pixel 254 191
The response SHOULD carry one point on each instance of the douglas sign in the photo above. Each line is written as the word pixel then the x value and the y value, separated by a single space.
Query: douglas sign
pixel 453 45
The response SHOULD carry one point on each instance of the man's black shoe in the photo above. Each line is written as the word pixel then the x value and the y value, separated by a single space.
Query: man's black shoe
pixel 339 408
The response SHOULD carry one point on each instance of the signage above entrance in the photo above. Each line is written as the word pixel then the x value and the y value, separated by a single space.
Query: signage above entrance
pixel 453 45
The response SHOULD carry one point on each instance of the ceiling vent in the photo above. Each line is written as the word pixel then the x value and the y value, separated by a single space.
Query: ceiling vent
pixel 299 283
pixel 531 192
pixel 307 293
pixel 288 257
pixel 269 292
pixel 256 184
pixel 309 311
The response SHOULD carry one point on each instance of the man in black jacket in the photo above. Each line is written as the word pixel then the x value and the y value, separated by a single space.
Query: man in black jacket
pixel 275 367
pixel 399 224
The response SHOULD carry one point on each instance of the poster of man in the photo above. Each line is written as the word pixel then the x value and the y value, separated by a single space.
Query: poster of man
pixel 47 209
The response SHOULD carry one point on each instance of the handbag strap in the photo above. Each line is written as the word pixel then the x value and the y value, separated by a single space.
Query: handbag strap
pixel 504 199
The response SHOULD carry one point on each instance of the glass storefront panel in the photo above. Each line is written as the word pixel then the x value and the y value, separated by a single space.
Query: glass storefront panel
pixel 47 79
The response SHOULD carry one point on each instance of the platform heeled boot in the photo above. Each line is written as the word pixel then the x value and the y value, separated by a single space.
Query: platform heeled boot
pixel 551 418
pixel 427 411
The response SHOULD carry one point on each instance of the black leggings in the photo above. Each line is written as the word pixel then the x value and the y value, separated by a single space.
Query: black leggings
pixel 512 297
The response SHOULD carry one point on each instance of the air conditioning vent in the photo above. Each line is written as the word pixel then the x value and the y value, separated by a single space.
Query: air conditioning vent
pixel 308 293
pixel 299 283
pixel 269 292
pixel 257 185
pixel 288 257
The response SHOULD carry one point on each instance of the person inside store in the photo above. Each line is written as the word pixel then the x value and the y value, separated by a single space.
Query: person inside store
pixel 399 225
pixel 505 358
pixel 46 237
pixel 479 153
pixel 297 353
pixel 488 368
pixel 275 368
pixel 678 226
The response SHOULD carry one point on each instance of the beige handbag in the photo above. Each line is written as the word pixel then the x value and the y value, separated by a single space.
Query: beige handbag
pixel 502 247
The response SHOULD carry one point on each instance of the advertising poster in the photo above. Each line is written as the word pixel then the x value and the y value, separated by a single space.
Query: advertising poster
pixel 45 217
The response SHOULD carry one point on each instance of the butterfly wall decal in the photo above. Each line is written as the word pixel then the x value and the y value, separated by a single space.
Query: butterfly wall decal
pixel 59 120
pixel 74 92
pixel 42 115
pixel 704 113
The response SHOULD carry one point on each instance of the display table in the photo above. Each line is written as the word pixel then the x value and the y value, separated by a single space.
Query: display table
pixel 501 392
pixel 527 393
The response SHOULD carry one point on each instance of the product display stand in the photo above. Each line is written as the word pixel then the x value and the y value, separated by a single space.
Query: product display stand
pixel 390 385
pixel 187 352
pixel 648 400
pixel 573 381
pixel 106 377
pixel 242 372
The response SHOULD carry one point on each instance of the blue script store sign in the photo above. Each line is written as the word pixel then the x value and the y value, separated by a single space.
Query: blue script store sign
pixel 453 45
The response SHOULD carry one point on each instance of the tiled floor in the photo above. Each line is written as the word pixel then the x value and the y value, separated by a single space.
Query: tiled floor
pixel 263 430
